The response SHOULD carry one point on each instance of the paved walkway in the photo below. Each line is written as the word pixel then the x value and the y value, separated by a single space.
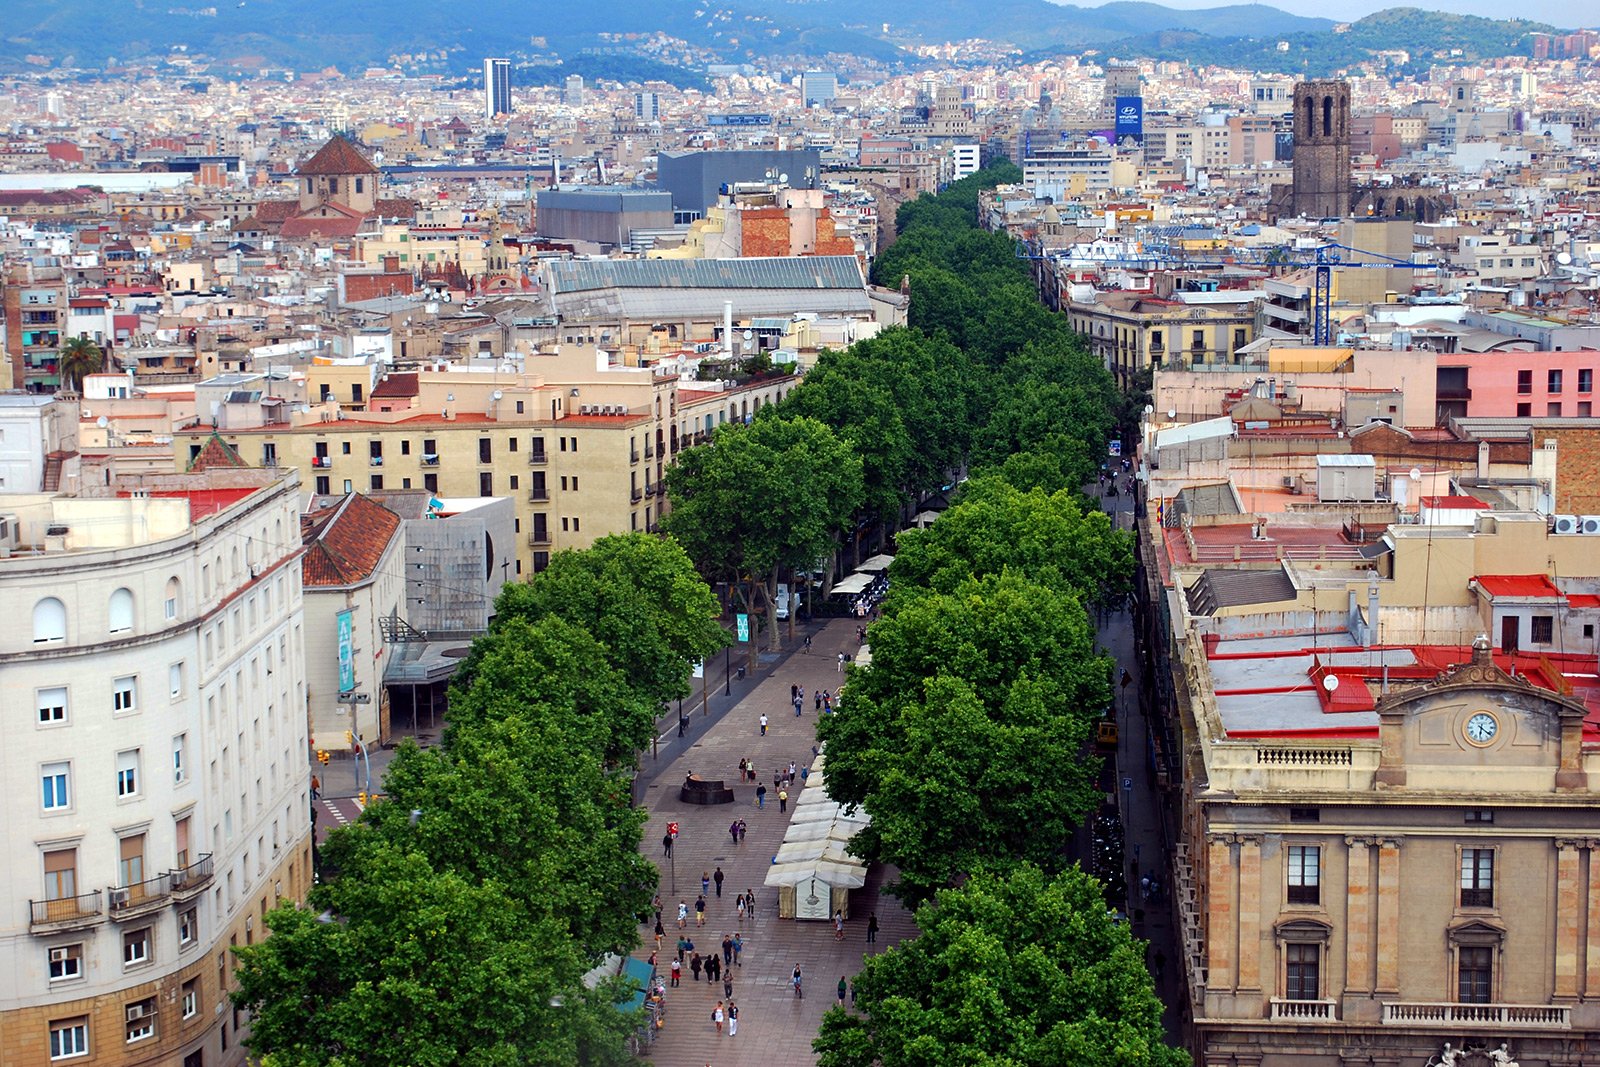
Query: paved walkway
pixel 774 1027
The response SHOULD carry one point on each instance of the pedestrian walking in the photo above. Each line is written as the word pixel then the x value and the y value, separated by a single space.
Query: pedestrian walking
pixel 799 705
pixel 761 796
pixel 827 702
pixel 844 987
pixel 683 914
pixel 741 911
pixel 727 984
pixel 738 947
pixel 716 1017
pixel 705 883
pixel 818 699
pixel 872 928
pixel 727 949
pixel 763 724
pixel 660 932
pixel 695 964
pixel 713 968
pixel 777 778
pixel 666 844
pixel 795 978
pixel 750 901
pixel 743 829
pixel 719 876
pixel 733 831
pixel 838 925
pixel 792 771
pixel 841 662
pixel 677 973
pixel 1144 888
pixel 783 800
pixel 700 911
pixel 794 692
pixel 733 1018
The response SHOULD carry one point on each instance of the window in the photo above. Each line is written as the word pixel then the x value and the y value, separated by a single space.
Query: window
pixel 430 482
pixel 49 621
pixel 1542 629
pixel 66 963
pixel 136 947
pixel 1305 815
pixel 1474 974
pixel 120 612
pixel 1304 870
pixel 179 743
pixel 376 482
pixel 1586 381
pixel 484 453
pixel 170 606
pixel 324 485
pixel 61 874
pixel 191 998
pixel 1553 410
pixel 1302 971
pixel 175 680
pixel 130 860
pixel 52 705
pixel 1553 381
pixel 1479 815
pixel 57 795
pixel 141 1016
pixel 1524 410
pixel 188 927
pixel 1524 382
pixel 344 446
pixel 124 694
pixel 1585 409
pixel 69 1037
pixel 128 773
pixel 1477 878
pixel 486 484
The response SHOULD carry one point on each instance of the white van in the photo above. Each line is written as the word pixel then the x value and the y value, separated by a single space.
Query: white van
pixel 782 602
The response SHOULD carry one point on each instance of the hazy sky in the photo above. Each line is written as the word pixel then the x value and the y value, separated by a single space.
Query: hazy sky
pixel 1561 13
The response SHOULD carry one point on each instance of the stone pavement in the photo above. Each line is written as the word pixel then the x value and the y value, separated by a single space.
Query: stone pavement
pixel 773 1025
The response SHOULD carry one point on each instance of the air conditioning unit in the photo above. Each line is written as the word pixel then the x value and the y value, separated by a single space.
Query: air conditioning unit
pixel 1565 524
pixel 118 898
pixel 59 955
pixel 10 530
pixel 135 1012
pixel 1589 524
pixel 584 409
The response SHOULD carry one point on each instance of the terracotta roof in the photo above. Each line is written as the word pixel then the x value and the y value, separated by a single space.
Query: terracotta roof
pixel 315 227
pixel 395 385
pixel 345 542
pixel 277 210
pixel 216 453
pixel 1519 585
pixel 395 207
pixel 338 156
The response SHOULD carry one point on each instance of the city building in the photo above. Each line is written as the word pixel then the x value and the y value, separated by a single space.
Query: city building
pixel 647 106
pixel 157 654
pixel 697 179
pixel 605 216
pixel 818 87
pixel 1321 186
pixel 496 89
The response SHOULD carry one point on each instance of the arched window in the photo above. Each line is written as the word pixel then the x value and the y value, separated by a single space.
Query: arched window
pixel 120 615
pixel 1327 116
pixel 49 621
pixel 1311 117
pixel 174 591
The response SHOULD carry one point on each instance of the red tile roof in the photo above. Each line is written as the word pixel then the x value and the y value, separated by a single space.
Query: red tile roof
pixel 1518 585
pixel 315 227
pixel 277 210
pixel 395 385
pixel 339 157
pixel 216 453
pixel 345 542
pixel 1455 502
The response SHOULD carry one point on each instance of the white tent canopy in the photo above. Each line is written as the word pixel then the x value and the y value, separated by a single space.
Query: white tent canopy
pixel 814 845
pixel 876 565
pixel 851 584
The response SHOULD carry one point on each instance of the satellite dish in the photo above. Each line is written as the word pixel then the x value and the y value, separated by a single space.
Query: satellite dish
pixel 1564 258
pixel 747 335
pixel 496 395
pixel 102 422
pixel 783 179
pixel 1172 413
pixel 1329 682
pixel 1416 474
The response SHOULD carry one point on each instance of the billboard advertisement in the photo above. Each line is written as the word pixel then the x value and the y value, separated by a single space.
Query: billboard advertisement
pixel 738 120
pixel 1130 121
pixel 347 657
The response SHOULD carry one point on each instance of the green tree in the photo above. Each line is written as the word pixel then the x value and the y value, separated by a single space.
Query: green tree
pixel 978 702
pixel 1012 970
pixel 638 596
pixel 763 498
pixel 844 393
pixel 77 358
pixel 1049 538
pixel 1057 388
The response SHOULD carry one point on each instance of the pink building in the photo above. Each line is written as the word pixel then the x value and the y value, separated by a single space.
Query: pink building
pixel 1502 384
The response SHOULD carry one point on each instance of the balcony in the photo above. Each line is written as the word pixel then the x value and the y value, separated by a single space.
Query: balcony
pixel 1455 1016
pixel 141 898
pixel 538 494
pixel 661 489
pixel 430 459
pixel 321 463
pixel 538 459
pixel 187 882
pixel 636 495
pixel 633 457
pixel 539 537
pixel 376 461
pixel 66 913
pixel 1302 1011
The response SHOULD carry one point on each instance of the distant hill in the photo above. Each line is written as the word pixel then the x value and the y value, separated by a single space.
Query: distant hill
pixel 678 39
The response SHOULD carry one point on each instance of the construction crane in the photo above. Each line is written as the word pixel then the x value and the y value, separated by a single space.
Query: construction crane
pixel 1323 259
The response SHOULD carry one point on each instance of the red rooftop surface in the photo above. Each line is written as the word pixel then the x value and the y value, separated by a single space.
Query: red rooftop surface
pixel 202 502
pixel 1454 502
pixel 1534 586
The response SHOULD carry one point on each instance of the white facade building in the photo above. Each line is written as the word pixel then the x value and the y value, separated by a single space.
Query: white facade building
pixel 156 761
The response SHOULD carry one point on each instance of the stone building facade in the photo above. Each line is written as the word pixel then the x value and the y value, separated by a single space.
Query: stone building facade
pixel 1321 149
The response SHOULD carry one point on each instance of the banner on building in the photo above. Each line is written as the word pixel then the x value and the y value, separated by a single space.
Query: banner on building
pixel 1130 121
pixel 347 652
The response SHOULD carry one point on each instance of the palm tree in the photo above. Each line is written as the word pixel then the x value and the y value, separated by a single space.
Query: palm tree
pixel 77 358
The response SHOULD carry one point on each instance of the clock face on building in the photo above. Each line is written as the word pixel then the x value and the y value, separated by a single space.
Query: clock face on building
pixel 1481 728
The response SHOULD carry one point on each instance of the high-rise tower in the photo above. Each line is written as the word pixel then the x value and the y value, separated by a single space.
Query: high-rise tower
pixel 496 88
pixel 1321 149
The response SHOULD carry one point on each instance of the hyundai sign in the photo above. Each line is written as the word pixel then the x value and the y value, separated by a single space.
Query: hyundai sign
pixel 1130 121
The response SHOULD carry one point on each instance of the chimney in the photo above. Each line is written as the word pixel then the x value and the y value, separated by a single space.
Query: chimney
pixel 1483 459
pixel 1371 636
pixel 727 328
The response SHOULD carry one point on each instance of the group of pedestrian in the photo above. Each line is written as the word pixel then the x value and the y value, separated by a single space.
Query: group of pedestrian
pixel 731 1015
pixel 747 770
pixel 822 701
pixel 736 830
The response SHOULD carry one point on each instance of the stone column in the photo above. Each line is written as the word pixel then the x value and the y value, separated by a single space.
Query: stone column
pixel 1220 929
pixel 1358 918
pixel 1250 912
pixel 1591 981
pixel 1388 916
pixel 1569 907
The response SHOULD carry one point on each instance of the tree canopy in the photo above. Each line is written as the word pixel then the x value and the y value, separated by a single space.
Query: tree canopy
pixel 1019 969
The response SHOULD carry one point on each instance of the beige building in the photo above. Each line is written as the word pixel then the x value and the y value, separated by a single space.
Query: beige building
pixel 579 443
pixel 157 750
pixel 1132 331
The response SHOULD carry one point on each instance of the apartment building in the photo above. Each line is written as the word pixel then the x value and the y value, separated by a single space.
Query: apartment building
pixel 1130 332
pixel 153 672
pixel 580 444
